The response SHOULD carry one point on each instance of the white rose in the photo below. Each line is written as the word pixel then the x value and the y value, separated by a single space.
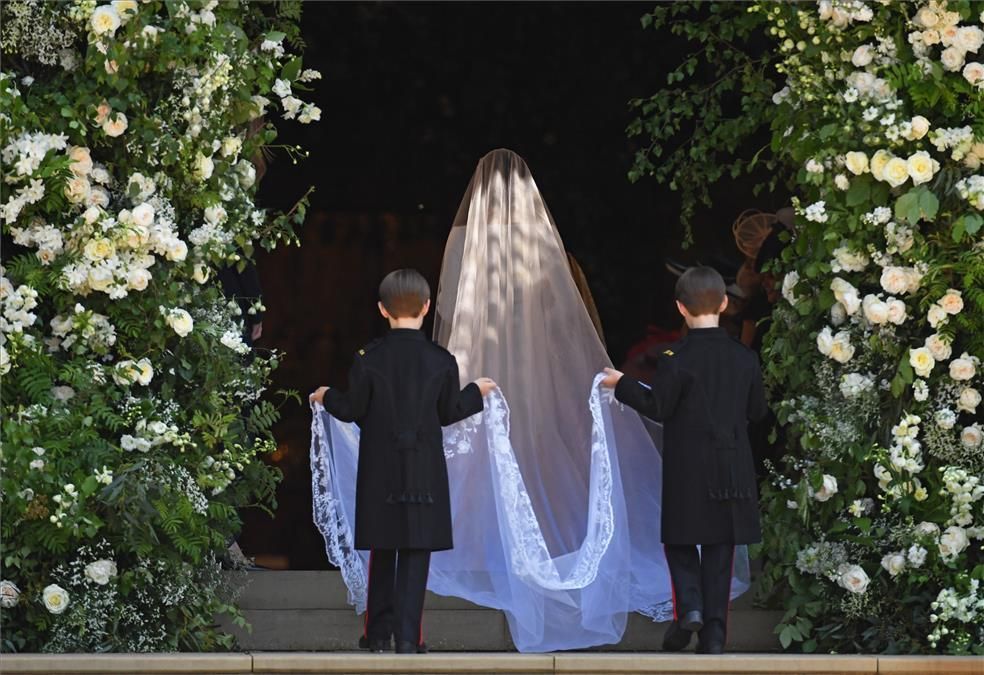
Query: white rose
pixel 99 249
pixel 215 215
pixel 875 309
pixel 100 571
pixel 4 361
pixel 945 419
pixel 124 372
pixel 55 598
pixel 856 162
pixel 916 555
pixel 938 347
pixel 918 127
pixel 973 72
pixel 969 38
pixel 180 321
pixel 246 172
pixel 842 350
pixel 825 9
pixel 963 368
pixel 854 579
pixel 827 490
pixel 846 294
pixel 936 316
pixel 922 361
pixel 9 594
pixel 838 315
pixel 143 215
pixel 969 399
pixel 788 285
pixel 145 371
pixel 893 563
pixel 952 58
pixel 952 542
pixel 896 311
pixel 98 196
pixel 921 167
pixel 201 273
pixel 177 251
pixel 231 146
pixel 878 162
pixel 825 340
pixel 896 171
pixel 91 215
pixel 104 19
pixel 100 279
pixel 862 56
pixel 951 302
pixel 970 437
pixel 115 125
pixel 927 529
pixel 841 182
pixel 203 167
pixel 926 17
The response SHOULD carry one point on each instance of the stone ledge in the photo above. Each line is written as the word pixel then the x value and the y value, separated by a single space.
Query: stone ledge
pixel 727 663
pixel 929 665
pixel 393 663
pixel 126 663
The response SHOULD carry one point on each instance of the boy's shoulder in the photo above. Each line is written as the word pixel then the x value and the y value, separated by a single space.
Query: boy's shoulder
pixel 735 347
pixel 369 347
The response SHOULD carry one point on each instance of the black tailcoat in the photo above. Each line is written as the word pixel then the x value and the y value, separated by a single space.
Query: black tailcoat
pixel 402 390
pixel 705 390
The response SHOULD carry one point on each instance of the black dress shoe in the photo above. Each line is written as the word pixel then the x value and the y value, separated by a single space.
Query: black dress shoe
pixel 410 648
pixel 676 639
pixel 710 647
pixel 692 621
pixel 375 645
pixel 712 638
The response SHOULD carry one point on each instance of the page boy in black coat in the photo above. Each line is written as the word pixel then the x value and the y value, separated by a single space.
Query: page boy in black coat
pixel 705 389
pixel 402 389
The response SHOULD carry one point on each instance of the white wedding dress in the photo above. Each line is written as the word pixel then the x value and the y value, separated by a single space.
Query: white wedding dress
pixel 556 499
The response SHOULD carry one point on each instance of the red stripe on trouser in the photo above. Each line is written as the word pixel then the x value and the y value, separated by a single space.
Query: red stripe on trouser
pixel 365 627
pixel 669 571
pixel 420 630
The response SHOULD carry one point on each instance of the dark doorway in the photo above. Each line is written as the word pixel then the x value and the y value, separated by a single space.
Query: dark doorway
pixel 413 94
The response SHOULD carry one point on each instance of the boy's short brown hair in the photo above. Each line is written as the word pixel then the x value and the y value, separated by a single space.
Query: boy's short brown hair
pixel 701 290
pixel 403 293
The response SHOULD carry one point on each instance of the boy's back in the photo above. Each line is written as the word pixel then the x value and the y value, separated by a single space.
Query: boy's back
pixel 403 389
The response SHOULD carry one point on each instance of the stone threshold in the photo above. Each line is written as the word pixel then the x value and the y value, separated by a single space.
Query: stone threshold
pixel 476 662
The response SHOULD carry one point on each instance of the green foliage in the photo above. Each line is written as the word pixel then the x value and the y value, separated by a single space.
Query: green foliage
pixel 132 417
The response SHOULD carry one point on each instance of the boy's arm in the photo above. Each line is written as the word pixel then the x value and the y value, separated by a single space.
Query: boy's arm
pixel 658 401
pixel 350 406
pixel 454 405
pixel 757 407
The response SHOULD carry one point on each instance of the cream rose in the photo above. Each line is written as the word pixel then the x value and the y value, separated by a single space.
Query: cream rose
pixel 878 162
pixel 963 368
pixel 918 127
pixel 138 279
pixel 968 38
pixel 825 341
pixel 145 371
pixel 842 350
pixel 927 529
pixel 862 56
pixel 853 578
pixel 102 112
pixel 953 541
pixel 973 72
pixel 177 250
pixel 893 563
pixel 936 316
pixel 100 571
pixel 9 594
pixel 846 294
pixel 827 489
pixel 922 361
pixel 81 160
pixel 115 125
pixel 952 301
pixel 203 167
pixel 78 189
pixel 896 171
pixel 938 347
pixel 98 196
pixel 838 315
pixel 99 249
pixel 231 146
pixel 952 58
pixel 55 598
pixel 969 399
pixel 201 273
pixel 215 215
pixel 143 215
pixel 104 19
pixel 875 309
pixel 971 436
pixel 180 322
pixel 926 17
pixel 921 167
pixel 896 311
pixel 856 162
pixel 125 8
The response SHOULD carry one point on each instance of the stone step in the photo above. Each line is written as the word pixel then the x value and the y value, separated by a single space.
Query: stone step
pixel 309 611
pixel 471 663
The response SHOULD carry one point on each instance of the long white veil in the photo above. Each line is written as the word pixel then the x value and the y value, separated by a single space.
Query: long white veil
pixel 555 496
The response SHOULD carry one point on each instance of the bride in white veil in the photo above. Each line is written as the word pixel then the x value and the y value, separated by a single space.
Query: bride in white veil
pixel 555 497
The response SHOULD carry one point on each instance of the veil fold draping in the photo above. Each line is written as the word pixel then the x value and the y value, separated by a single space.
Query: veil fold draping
pixel 555 496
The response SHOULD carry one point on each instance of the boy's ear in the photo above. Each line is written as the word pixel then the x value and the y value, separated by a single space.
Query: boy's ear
pixel 724 304
pixel 682 309
pixel 382 310
pixel 425 308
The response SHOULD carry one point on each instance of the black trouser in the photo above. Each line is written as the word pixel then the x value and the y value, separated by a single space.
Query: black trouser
pixel 397 584
pixel 702 583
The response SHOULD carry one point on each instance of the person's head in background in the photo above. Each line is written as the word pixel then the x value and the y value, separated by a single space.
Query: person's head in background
pixel 771 249
pixel 701 296
pixel 404 298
